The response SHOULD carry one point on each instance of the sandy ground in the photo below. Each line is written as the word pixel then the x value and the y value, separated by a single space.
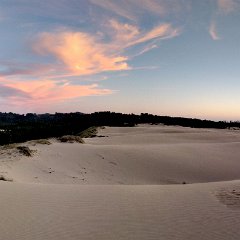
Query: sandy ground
pixel 125 184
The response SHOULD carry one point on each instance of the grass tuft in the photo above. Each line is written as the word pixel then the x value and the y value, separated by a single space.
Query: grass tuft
pixel 70 139
pixel 25 151
pixel 88 133
pixel 42 141
pixel 9 146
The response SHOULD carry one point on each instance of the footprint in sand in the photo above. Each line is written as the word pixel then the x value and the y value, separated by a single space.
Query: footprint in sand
pixel 101 156
pixel 50 170
pixel 113 163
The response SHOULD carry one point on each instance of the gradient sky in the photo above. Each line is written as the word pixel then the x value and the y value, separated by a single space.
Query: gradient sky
pixel 166 57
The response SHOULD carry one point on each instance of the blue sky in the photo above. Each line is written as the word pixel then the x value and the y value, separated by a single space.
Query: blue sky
pixel 166 57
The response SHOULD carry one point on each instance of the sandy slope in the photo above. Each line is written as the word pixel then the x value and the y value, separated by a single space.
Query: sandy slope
pixel 140 155
pixel 111 187
pixel 57 212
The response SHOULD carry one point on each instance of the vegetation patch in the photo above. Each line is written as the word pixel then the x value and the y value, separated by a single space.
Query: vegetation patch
pixel 70 139
pixel 88 133
pixel 19 128
pixel 9 146
pixel 42 141
pixel 25 151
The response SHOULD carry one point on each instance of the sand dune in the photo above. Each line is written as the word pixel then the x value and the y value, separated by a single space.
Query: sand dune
pixel 140 155
pixel 125 185
pixel 56 212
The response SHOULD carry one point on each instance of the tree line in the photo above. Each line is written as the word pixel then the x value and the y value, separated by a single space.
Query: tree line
pixel 23 127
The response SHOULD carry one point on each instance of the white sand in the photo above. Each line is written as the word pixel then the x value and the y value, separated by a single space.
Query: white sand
pixel 127 185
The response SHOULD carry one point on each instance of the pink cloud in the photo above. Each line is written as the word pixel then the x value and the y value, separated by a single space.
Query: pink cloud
pixel 213 31
pixel 50 90
pixel 122 33
pixel 134 9
pixel 228 6
pixel 18 69
pixel 127 35
pixel 116 7
pixel 25 94
pixel 163 31
pixel 79 53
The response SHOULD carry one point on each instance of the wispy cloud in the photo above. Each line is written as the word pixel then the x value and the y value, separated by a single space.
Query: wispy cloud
pixel 224 7
pixel 29 93
pixel 133 9
pixel 145 50
pixel 122 34
pixel 115 7
pixel 163 31
pixel 127 35
pixel 50 90
pixel 8 92
pixel 213 31
pixel 228 6
pixel 17 69
pixel 80 53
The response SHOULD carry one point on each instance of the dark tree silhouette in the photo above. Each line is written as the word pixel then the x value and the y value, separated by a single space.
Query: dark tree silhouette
pixel 19 128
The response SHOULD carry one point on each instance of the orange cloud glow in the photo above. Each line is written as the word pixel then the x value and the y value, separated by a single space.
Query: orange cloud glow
pixel 80 52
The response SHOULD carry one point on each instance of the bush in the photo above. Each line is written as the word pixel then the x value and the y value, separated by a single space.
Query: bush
pixel 25 151
pixel 70 139
pixel 8 146
pixel 42 141
pixel 88 133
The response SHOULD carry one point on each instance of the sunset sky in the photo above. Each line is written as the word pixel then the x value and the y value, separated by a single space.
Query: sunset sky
pixel 166 57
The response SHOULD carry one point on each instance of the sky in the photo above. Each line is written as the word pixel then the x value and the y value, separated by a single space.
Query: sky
pixel 165 57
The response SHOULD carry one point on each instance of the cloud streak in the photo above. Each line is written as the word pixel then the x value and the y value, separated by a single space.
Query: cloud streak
pixel 228 6
pixel 48 90
pixel 29 94
pixel 115 7
pixel 163 31
pixel 133 9
pixel 224 7
pixel 80 53
pixel 8 92
pixel 19 69
pixel 213 31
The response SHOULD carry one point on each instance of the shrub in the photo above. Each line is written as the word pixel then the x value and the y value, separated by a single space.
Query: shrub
pixel 25 151
pixel 88 133
pixel 42 141
pixel 70 139
pixel 9 146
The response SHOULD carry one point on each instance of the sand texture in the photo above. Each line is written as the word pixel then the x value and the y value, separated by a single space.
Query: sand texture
pixel 127 183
